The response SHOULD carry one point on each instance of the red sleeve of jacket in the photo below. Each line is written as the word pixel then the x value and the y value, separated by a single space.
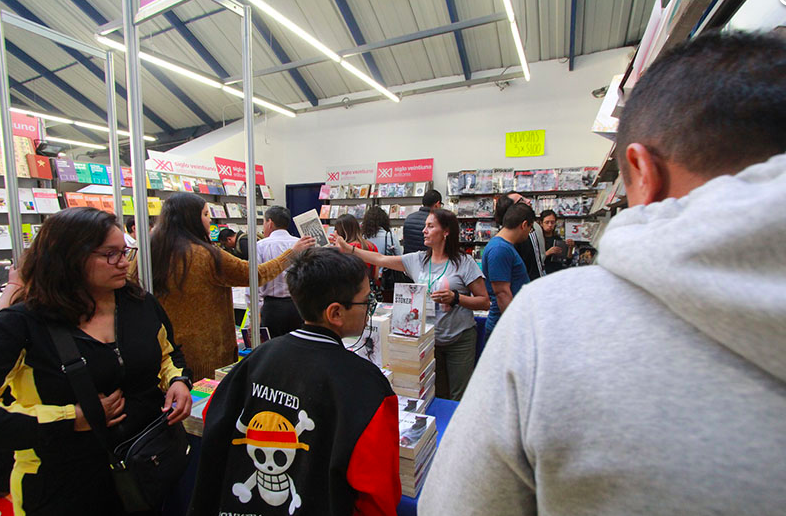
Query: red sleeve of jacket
pixel 373 467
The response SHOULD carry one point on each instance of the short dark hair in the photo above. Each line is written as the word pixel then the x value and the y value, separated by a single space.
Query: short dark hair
pixel 130 223
pixel 320 276
pixel 279 215
pixel 503 203
pixel 517 214
pixel 53 269
pixel 546 213
pixel 699 97
pixel 431 198
pixel 224 235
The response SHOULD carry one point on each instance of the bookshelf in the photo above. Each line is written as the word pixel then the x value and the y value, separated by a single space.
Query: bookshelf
pixel 341 199
pixel 570 192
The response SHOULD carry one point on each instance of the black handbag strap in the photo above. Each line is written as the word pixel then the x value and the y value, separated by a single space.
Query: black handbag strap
pixel 74 366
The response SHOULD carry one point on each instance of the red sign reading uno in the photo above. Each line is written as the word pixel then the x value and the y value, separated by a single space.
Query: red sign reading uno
pixel 405 171
pixel 25 125
pixel 232 169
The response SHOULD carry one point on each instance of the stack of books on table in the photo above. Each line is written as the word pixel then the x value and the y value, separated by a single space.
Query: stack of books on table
pixel 412 361
pixel 417 445
pixel 200 393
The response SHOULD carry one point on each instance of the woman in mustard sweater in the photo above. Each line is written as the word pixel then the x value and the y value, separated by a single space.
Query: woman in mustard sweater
pixel 192 280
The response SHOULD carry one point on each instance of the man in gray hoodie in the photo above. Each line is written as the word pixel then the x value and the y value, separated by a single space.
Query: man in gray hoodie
pixel 658 386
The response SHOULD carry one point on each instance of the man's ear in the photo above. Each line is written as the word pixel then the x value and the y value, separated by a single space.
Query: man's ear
pixel 334 314
pixel 645 180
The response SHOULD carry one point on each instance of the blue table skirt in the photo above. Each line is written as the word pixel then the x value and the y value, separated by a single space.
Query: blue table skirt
pixel 443 411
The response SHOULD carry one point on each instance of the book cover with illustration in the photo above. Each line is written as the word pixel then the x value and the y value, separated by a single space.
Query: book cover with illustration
pixel 234 187
pixel 455 183
pixel 324 192
pixel 484 207
pixel 524 180
pixel 409 309
pixel 372 344
pixel 414 431
pixel 324 211
pixel 545 180
pixel 39 166
pixel 485 181
pixel 308 223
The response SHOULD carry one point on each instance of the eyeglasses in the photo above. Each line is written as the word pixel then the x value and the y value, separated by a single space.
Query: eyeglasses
pixel 113 256
pixel 371 304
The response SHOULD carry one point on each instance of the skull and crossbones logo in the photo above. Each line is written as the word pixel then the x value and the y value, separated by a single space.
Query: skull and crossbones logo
pixel 271 442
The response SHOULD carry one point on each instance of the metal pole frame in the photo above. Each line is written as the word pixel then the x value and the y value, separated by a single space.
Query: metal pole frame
pixel 251 198
pixel 135 127
pixel 111 116
pixel 12 186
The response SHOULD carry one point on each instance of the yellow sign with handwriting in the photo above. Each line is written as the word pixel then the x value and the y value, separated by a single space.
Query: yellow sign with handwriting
pixel 525 143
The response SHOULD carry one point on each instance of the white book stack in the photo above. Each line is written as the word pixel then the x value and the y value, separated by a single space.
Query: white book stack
pixel 194 422
pixel 412 361
pixel 417 445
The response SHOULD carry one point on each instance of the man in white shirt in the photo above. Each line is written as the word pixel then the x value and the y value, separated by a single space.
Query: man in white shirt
pixel 278 313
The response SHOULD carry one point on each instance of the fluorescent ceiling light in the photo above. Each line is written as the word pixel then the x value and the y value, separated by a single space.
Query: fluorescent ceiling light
pixel 517 38
pixel 105 129
pixel 194 75
pixel 42 115
pixel 371 82
pixel 162 63
pixel 311 40
pixel 238 93
pixel 289 24
pixel 76 143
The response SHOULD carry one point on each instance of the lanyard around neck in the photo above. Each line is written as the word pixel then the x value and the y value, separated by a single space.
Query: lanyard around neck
pixel 431 283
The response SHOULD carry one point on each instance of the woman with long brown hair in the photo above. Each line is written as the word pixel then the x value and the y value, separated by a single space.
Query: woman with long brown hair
pixel 193 280
pixel 74 276
pixel 456 286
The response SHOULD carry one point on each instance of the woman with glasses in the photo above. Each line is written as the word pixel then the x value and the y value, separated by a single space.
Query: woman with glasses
pixel 455 284
pixel 74 276
pixel 193 280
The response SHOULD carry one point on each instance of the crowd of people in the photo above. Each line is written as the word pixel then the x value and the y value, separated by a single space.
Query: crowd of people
pixel 656 387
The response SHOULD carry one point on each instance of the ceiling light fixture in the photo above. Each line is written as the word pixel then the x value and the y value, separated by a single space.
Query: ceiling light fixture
pixel 311 40
pixel 105 129
pixel 194 75
pixel 258 101
pixel 76 143
pixel 517 38
pixel 53 118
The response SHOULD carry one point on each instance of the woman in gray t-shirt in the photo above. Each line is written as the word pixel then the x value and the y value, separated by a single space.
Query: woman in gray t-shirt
pixel 456 286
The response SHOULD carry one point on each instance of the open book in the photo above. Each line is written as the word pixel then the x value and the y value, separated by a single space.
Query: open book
pixel 308 223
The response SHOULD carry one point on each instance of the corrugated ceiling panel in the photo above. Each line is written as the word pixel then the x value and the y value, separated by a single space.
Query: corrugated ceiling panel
pixel 441 51
pixel 370 25
pixel 397 18
pixel 482 42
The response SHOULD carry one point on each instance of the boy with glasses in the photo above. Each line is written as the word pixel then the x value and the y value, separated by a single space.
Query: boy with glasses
pixel 303 424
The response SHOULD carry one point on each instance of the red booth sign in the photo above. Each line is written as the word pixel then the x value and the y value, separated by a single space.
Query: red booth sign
pixel 236 170
pixel 405 171
pixel 25 125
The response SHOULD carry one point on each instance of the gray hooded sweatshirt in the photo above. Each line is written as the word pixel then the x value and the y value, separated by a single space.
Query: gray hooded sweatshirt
pixel 652 383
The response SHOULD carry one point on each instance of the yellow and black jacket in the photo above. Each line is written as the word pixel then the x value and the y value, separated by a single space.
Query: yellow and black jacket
pixel 58 470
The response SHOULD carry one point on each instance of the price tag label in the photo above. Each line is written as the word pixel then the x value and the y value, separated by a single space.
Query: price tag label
pixel 525 143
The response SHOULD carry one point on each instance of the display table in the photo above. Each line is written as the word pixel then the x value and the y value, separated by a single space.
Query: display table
pixel 442 410
pixel 177 502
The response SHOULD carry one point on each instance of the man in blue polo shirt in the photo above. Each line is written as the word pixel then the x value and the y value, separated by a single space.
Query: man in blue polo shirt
pixel 502 266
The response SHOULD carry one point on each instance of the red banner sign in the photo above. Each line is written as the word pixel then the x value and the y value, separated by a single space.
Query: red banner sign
pixel 405 171
pixel 25 125
pixel 232 169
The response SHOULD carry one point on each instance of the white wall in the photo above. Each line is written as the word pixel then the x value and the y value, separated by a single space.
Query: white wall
pixel 461 128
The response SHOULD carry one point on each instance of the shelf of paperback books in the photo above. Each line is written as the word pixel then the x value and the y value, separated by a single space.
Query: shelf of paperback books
pixel 398 200
pixel 37 198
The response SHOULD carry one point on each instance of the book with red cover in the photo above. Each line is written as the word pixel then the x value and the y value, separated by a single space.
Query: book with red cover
pixel 40 166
